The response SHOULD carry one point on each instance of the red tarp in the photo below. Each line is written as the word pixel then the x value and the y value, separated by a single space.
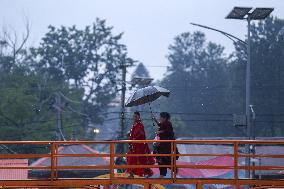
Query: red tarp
pixel 12 174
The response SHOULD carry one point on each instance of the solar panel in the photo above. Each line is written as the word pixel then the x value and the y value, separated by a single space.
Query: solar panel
pixel 238 12
pixel 260 13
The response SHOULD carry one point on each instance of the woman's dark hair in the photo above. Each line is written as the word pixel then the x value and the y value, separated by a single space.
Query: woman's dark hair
pixel 165 115
pixel 137 113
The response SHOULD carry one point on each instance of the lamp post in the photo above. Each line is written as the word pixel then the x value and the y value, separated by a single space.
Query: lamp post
pixel 249 14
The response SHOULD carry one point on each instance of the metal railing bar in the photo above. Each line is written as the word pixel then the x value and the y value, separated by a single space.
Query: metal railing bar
pixel 81 155
pixel 85 167
pixel 20 156
pixel 27 167
pixel 201 142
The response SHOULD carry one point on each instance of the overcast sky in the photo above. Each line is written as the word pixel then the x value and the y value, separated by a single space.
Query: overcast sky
pixel 149 26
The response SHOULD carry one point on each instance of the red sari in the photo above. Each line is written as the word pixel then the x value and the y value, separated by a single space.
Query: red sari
pixel 137 132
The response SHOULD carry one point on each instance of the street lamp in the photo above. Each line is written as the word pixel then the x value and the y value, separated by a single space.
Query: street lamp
pixel 248 13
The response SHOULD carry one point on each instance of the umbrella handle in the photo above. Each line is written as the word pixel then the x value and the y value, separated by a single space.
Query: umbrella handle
pixel 151 113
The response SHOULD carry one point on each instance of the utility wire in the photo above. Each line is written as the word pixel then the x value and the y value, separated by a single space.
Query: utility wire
pixel 68 99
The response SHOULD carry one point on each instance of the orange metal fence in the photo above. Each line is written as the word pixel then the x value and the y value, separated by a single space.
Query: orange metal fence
pixel 55 182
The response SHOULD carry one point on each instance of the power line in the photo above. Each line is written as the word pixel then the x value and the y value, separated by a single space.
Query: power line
pixel 68 99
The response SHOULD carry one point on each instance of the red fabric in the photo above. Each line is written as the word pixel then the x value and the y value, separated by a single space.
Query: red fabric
pixel 18 174
pixel 137 132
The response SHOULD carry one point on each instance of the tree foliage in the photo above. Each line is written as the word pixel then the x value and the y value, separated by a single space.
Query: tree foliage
pixel 89 59
pixel 209 87
pixel 140 71
pixel 196 77
pixel 81 66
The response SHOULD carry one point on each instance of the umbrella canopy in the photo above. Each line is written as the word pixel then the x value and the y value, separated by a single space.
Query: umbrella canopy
pixel 146 95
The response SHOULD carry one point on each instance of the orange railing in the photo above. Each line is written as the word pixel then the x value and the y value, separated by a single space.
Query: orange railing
pixel 54 181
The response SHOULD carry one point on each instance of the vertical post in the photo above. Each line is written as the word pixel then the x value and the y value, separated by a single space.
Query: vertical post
pixel 236 163
pixel 175 161
pixel 52 162
pixel 260 171
pixel 199 185
pixel 56 161
pixel 122 118
pixel 252 150
pixel 147 186
pixel 248 74
pixel 248 83
pixel 172 160
pixel 58 128
pixel 111 153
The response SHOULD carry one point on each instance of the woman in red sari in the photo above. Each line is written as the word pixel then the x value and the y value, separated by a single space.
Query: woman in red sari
pixel 137 132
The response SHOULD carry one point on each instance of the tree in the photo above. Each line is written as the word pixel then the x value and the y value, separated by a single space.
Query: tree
pixel 197 79
pixel 81 67
pixel 90 59
pixel 140 71
pixel 12 47
pixel 27 106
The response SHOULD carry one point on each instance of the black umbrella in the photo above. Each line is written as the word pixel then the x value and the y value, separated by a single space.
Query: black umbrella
pixel 146 95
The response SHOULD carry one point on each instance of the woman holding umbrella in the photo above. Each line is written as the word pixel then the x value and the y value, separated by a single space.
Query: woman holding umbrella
pixel 137 132
pixel 165 132
pixel 141 96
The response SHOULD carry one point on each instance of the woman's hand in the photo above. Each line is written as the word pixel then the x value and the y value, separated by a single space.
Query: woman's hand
pixel 159 132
